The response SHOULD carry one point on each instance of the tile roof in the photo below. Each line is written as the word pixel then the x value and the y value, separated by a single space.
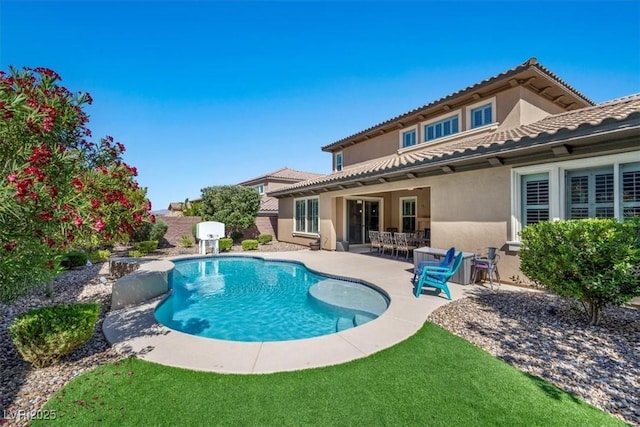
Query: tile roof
pixel 284 174
pixel 528 64
pixel 619 109
pixel 268 204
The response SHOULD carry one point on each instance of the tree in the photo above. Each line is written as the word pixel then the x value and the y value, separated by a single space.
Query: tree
pixel 596 261
pixel 57 190
pixel 234 205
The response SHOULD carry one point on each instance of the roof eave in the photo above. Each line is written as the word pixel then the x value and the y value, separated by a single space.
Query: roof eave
pixel 509 152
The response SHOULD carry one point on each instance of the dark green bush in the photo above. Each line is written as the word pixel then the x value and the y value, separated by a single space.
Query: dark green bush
pixel 236 235
pixel 73 259
pixel 146 247
pixel 100 255
pixel 158 230
pixel 596 261
pixel 225 244
pixel 45 335
pixel 192 208
pixel 265 238
pixel 249 245
pixel 142 233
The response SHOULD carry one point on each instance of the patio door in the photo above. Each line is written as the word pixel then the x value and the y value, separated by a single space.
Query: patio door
pixel 362 216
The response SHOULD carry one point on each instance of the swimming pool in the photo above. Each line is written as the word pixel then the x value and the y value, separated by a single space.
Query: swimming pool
pixel 250 299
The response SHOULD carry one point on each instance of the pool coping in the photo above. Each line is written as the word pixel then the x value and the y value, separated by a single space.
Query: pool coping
pixel 134 330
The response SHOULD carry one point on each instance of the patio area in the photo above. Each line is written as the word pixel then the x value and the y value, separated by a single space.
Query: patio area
pixel 135 330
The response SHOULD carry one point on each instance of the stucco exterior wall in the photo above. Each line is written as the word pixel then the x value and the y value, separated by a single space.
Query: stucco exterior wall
pixel 374 148
pixel 520 106
pixel 473 210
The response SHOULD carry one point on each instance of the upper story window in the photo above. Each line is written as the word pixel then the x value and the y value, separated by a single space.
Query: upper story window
pixel 338 161
pixel 441 128
pixel 409 137
pixel 481 113
pixel 259 188
pixel 481 116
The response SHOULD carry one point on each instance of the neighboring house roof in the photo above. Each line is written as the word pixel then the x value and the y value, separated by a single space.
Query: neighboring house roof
pixel 282 175
pixel 530 74
pixel 175 206
pixel 268 205
pixel 621 115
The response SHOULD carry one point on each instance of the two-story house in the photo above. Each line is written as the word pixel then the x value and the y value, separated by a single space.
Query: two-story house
pixel 475 167
pixel 267 218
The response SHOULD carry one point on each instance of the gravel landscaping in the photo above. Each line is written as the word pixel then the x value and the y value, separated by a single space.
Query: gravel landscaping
pixel 538 333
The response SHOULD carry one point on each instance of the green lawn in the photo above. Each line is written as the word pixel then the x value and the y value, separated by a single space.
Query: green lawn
pixel 434 378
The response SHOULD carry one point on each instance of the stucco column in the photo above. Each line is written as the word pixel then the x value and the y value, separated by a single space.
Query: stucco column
pixel 327 222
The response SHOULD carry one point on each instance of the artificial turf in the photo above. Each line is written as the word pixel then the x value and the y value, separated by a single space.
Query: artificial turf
pixel 432 379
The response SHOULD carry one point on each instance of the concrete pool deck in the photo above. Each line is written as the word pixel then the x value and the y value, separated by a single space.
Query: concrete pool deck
pixel 134 329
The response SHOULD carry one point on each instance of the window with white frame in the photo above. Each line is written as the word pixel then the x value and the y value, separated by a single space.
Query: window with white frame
pixel 409 137
pixel 535 198
pixel 441 128
pixel 408 214
pixel 481 113
pixel 481 116
pixel 630 183
pixel 338 161
pixel 259 188
pixel 608 188
pixel 590 193
pixel 306 215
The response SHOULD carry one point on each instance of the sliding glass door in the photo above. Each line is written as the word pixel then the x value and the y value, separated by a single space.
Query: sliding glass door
pixel 362 216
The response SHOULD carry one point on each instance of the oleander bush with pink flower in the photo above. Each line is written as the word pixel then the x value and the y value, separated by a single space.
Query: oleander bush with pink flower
pixel 58 190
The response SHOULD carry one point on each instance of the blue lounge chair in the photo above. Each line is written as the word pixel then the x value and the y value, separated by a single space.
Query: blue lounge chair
pixel 437 277
pixel 447 261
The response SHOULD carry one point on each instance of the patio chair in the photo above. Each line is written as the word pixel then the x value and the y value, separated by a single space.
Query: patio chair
pixel 447 261
pixel 486 261
pixel 402 244
pixel 374 239
pixel 387 242
pixel 437 277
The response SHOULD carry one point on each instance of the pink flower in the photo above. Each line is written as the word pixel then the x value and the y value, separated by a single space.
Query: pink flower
pixel 78 221
pixel 12 177
pixel 77 184
pixel 99 225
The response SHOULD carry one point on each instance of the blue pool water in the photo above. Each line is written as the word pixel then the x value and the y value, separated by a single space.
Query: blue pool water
pixel 250 299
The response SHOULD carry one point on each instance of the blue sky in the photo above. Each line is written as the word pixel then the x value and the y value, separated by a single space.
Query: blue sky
pixel 209 93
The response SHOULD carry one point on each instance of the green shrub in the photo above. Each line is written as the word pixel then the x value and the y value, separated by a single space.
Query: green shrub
pixel 135 254
pixel 186 242
pixel 249 245
pixel 225 244
pixel 194 232
pixel 265 238
pixel 158 230
pixel 146 247
pixel 100 255
pixel 142 233
pixel 596 261
pixel 236 235
pixel 73 259
pixel 45 335
pixel 192 208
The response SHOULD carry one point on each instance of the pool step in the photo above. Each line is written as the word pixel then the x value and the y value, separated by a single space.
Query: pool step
pixel 344 323
pixel 362 318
